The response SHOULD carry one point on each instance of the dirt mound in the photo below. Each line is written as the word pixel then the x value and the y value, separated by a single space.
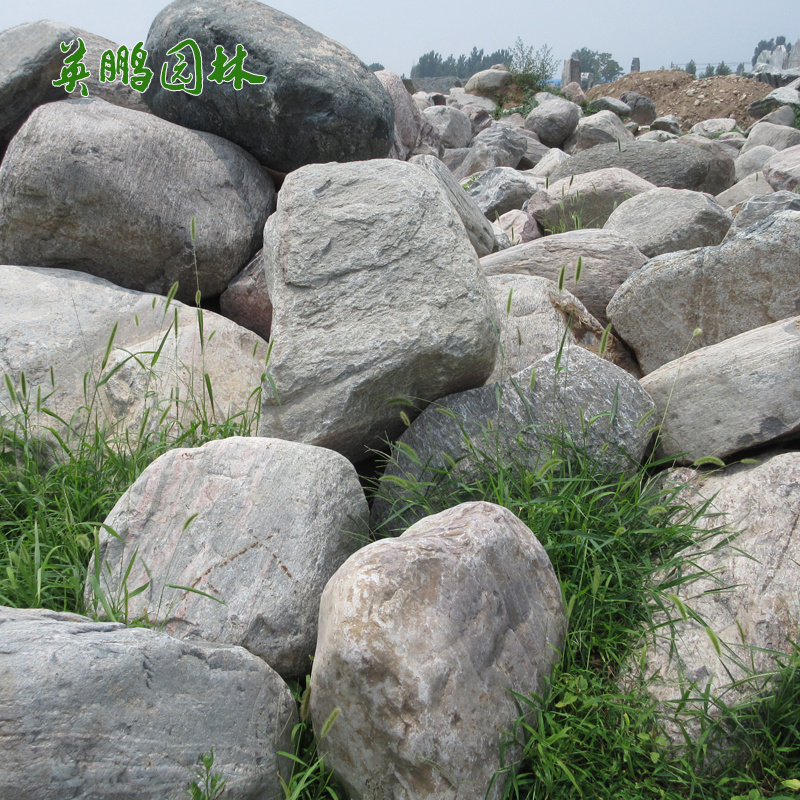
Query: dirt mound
pixel 691 99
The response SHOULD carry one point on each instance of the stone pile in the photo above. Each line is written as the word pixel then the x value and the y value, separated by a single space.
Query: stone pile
pixel 389 267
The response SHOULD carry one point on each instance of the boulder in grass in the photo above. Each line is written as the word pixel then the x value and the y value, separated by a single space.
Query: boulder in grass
pixel 100 710
pixel 319 102
pixel 130 198
pixel 218 519
pixel 31 58
pixel 421 639
pixel 383 296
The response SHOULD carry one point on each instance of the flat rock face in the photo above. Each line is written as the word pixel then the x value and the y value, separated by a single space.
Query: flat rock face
pixel 759 612
pixel 102 189
pixel 664 220
pixel 782 170
pixel 585 201
pixel 746 282
pixel 421 637
pixel 95 709
pixel 319 101
pixel 271 521
pixel 31 59
pixel 737 394
pixel 383 296
pixel 672 164
pixel 607 260
pixel 65 320
pixel 515 419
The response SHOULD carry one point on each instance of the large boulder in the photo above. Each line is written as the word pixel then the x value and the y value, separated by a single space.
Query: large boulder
pixel 318 103
pixel 569 394
pixel 600 128
pixel 607 260
pixel 745 592
pixel 554 121
pixel 782 170
pixel 383 296
pixel 214 518
pixel 673 164
pixel 741 191
pixel 31 58
pixel 753 160
pixel 488 82
pixel 130 198
pixel 407 117
pixel 664 220
pixel 766 133
pixel 723 290
pixel 730 396
pixel 502 189
pixel 584 201
pixel 120 359
pixel 643 109
pixel 495 146
pixel 95 709
pixel 421 639
pixel 453 125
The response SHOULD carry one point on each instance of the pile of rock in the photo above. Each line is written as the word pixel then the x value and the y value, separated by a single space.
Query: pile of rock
pixel 519 275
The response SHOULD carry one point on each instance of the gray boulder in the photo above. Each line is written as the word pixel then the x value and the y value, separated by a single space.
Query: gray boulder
pixel 782 170
pixel 382 297
pixel 584 201
pixel 664 220
pixel 101 339
pixel 784 115
pixel 712 128
pixel 673 164
pixel 102 189
pixel 453 125
pixel 669 124
pixel 246 300
pixel 758 208
pixel 612 104
pixel 31 59
pixel 606 258
pixel 460 98
pixel 782 96
pixel 502 189
pixel 550 162
pixel 95 709
pixel 739 393
pixel 318 102
pixel 643 109
pixel 519 226
pixel 724 290
pixel 495 146
pixel 265 560
pixel 753 160
pixel 489 82
pixel 407 118
pixel 478 227
pixel 521 419
pixel 753 184
pixel 780 137
pixel 554 121
pixel 600 128
pixel 421 639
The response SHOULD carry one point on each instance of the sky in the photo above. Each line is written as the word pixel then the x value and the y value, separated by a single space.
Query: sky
pixel 658 33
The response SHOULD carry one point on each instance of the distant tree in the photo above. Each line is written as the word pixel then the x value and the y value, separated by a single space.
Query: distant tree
pixel 722 69
pixel 432 65
pixel 376 67
pixel 691 68
pixel 603 66
pixel 709 73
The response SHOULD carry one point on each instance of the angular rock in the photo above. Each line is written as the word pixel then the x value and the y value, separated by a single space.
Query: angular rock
pixel 741 284
pixel 453 125
pixel 643 109
pixel 571 73
pixel 478 227
pixel 753 160
pixel 669 123
pixel 760 207
pixel 616 107
pixel 495 146
pixel 407 118
pixel 554 121
pixel 65 320
pixel 730 396
pixel 318 103
pixel 600 128
pixel 517 422
pixel 584 201
pixel 780 137
pixel 421 638
pixel 672 164
pixel 246 300
pixel 382 297
pixel 502 189
pixel 782 170
pixel 607 260
pixel 519 226
pixel 31 59
pixel 664 220
pixel 102 189
pixel 742 190
pixel 95 709
pixel 756 617
pixel 266 560
pixel 535 319
pixel 488 82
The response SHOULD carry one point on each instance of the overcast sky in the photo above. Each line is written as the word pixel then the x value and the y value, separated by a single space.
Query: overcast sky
pixel 656 31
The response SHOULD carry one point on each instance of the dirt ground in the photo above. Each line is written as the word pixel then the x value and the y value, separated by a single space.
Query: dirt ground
pixel 691 99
